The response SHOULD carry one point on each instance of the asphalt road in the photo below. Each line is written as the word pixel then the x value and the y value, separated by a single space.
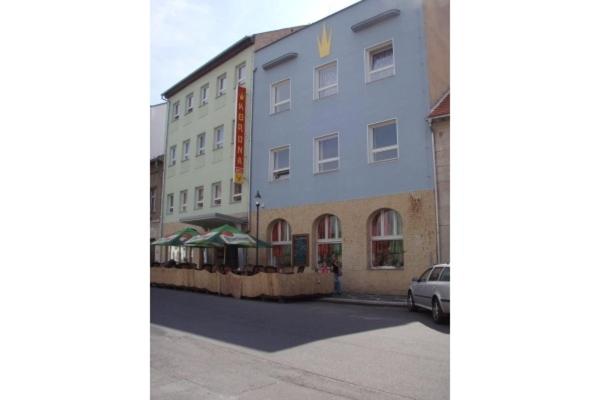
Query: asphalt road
pixel 210 347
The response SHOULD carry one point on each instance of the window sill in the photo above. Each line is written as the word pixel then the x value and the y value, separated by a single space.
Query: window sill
pixel 200 154
pixel 220 95
pixel 316 98
pixel 371 80
pixel 384 161
pixel 325 172
pixel 280 112
pixel 189 111
pixel 387 268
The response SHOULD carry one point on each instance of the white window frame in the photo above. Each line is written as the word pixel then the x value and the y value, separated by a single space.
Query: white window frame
pixel 170 203
pixel 189 103
pixel 214 199
pixel 218 144
pixel 397 236
pixel 317 89
pixel 198 200
pixel 172 155
pixel 242 81
pixel 367 63
pixel 185 150
pixel 272 96
pixel 175 111
pixel 280 243
pixel 222 90
pixel 316 160
pixel 235 197
pixel 183 204
pixel 326 240
pixel 200 150
pixel 204 93
pixel 371 151
pixel 272 169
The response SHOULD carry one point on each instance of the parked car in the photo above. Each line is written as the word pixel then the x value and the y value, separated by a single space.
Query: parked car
pixel 432 292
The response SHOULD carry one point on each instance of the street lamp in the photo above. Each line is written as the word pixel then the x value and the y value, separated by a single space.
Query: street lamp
pixel 257 198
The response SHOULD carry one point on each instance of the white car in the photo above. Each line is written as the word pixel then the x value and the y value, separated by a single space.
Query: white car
pixel 432 292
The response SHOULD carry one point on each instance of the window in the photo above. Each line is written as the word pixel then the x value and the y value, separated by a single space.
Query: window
pixel 383 141
pixel 435 274
pixel 326 80
pixel 153 199
pixel 198 197
pixel 329 241
pixel 218 138
pixel 327 157
pixel 236 192
pixel 240 74
pixel 200 144
pixel 280 163
pixel 173 155
pixel 281 240
pixel 387 245
pixel 183 201
pixel 221 82
pixel 216 194
pixel 185 150
pixel 170 203
pixel 175 110
pixel 204 95
pixel 189 100
pixel 280 96
pixel 380 61
pixel 445 276
pixel 423 276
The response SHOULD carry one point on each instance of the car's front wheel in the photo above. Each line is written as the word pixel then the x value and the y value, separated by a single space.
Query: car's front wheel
pixel 411 302
pixel 436 311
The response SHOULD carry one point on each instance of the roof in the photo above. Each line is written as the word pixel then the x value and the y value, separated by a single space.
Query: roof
pixel 442 108
pixel 259 39
pixel 225 55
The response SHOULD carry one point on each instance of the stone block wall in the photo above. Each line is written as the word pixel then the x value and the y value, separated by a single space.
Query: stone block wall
pixel 417 211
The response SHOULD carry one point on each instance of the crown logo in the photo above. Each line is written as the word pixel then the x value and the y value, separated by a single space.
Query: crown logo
pixel 324 42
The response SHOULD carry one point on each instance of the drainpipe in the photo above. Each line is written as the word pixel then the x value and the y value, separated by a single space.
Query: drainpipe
pixel 435 191
pixel 163 202
pixel 250 198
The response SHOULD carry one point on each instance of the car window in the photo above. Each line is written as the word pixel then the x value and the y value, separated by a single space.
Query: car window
pixel 445 276
pixel 424 275
pixel 435 274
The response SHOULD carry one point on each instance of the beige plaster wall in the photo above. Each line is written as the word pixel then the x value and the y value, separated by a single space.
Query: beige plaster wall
pixel 441 129
pixel 437 33
pixel 417 210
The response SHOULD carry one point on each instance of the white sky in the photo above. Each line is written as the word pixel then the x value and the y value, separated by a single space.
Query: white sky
pixel 187 33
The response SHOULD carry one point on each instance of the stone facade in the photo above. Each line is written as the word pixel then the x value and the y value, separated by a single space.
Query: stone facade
pixel 441 137
pixel 417 212
pixel 156 183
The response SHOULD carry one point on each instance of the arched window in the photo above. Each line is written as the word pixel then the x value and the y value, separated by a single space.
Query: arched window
pixel 281 240
pixel 387 244
pixel 329 241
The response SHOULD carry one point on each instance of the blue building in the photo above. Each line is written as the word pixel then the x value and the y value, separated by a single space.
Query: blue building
pixel 341 147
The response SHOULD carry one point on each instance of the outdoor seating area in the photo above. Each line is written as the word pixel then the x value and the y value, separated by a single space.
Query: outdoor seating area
pixel 248 281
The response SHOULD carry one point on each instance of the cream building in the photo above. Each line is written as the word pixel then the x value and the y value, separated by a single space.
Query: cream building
pixel 199 190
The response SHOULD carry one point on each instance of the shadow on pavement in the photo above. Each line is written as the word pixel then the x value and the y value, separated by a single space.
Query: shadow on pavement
pixel 271 326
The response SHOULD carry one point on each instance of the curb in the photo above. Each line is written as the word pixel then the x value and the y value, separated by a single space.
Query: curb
pixel 364 302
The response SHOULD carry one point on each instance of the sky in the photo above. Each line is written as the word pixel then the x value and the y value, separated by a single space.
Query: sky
pixel 185 34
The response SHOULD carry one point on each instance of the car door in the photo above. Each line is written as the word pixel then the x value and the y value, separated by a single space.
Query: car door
pixel 418 287
pixel 430 286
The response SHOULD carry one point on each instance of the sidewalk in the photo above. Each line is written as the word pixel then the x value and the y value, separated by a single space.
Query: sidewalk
pixel 367 299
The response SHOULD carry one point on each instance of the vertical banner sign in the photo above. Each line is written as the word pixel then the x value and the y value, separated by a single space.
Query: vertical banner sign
pixel 240 123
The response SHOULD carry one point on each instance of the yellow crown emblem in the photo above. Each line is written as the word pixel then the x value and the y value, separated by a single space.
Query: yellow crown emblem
pixel 324 42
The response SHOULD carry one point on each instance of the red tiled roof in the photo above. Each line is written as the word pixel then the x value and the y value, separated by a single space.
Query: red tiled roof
pixel 442 108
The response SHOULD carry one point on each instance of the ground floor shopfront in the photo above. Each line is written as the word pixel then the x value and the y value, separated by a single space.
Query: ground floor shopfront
pixel 380 243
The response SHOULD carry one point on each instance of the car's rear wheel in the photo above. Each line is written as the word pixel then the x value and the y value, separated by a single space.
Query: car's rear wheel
pixel 411 302
pixel 436 311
